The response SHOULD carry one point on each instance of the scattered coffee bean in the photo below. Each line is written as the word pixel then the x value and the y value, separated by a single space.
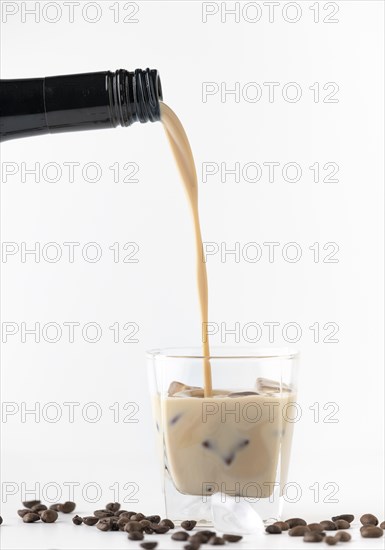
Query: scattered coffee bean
pixel 342 524
pixel 1 520
pixel 233 538
pixel 192 546
pixel 273 529
pixel 55 507
pixel 382 525
pixel 216 541
pixel 298 531
pixel 31 517
pixel 315 527
pixel 113 506
pixel 133 526
pixel 343 536
pixel 313 536
pixel 283 525
pixel 149 545
pixel 153 519
pixel 138 517
pixel 179 535
pixel 200 537
pixel 103 513
pixel 90 520
pixel 67 507
pixel 328 525
pixel 30 503
pixel 77 520
pixel 122 523
pixel 188 525
pixel 370 532
pixel 167 522
pixel 346 517
pixel 104 525
pixel 135 535
pixel 368 519
pixel 127 515
pixel 39 508
pixel 148 530
pixel 331 541
pixel 144 523
pixel 160 529
pixel 294 522
pixel 48 516
pixel 22 513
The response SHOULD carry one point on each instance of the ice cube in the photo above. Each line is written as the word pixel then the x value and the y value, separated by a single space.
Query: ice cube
pixel 242 393
pixel 234 515
pixel 178 389
pixel 264 385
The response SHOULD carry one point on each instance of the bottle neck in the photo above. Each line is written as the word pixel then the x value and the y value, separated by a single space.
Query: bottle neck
pixel 69 103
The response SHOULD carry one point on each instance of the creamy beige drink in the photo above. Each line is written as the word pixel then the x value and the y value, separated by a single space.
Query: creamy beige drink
pixel 229 443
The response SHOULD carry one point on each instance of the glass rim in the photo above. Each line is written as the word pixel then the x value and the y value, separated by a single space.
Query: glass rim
pixel 224 353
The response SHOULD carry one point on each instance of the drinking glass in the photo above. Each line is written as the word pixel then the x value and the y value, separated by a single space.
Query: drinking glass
pixel 224 458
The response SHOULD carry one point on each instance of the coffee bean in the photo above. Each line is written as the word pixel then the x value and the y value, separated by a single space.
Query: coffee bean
pixel 39 508
pixel 90 520
pixel 188 524
pixel 48 516
pixel 103 513
pixel 133 526
pixel 127 515
pixel 368 519
pixel 22 513
pixel 328 525
pixel 382 525
pixel 331 541
pixel 120 512
pixel 113 506
pixel 346 517
pixel 160 529
pixel 31 517
pixel 145 523
pixel 1 520
pixel 135 535
pixel 148 530
pixel 104 525
pixel 55 507
pixel 192 546
pixel 273 530
pixel 149 545
pixel 233 538
pixel 167 522
pixel 343 536
pixel 216 541
pixel 283 525
pixel 153 519
pixel 201 538
pixel 342 524
pixel 138 517
pixel 179 535
pixel 315 527
pixel 298 531
pixel 30 503
pixel 370 532
pixel 294 522
pixel 122 522
pixel 313 536
pixel 77 520
pixel 67 507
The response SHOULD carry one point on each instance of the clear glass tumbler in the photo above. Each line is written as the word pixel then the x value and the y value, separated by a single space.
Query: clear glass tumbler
pixel 224 458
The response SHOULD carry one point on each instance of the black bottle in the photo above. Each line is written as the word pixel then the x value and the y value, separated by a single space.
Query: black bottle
pixel 31 107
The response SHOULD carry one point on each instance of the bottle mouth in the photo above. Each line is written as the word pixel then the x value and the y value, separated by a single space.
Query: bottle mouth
pixel 135 96
pixel 147 90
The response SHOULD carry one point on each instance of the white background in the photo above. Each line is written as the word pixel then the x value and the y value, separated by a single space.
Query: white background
pixel 159 293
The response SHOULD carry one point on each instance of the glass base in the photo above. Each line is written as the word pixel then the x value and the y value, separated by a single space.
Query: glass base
pixel 226 513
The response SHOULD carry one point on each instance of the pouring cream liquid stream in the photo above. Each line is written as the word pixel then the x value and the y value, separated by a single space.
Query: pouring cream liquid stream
pixel 185 161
